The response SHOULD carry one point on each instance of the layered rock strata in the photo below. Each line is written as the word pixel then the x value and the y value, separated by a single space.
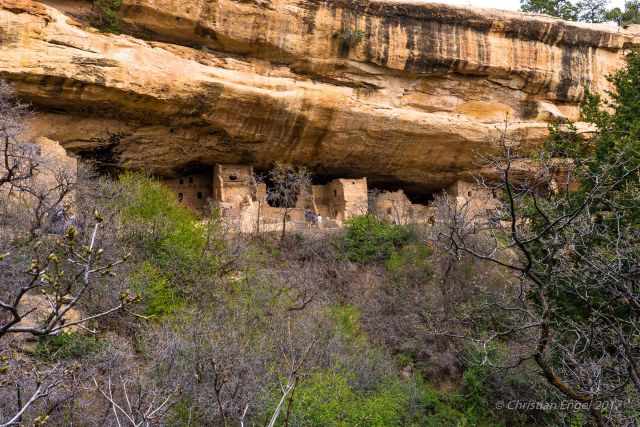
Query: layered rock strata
pixel 404 93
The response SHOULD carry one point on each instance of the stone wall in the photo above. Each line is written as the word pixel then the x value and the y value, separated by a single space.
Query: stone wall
pixel 348 198
pixel 477 200
pixel 245 207
pixel 233 185
pixel 193 190
pixel 396 208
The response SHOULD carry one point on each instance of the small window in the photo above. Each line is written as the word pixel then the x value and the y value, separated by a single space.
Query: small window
pixel 335 193
pixel 190 180
pixel 199 195
pixel 233 177
pixel 181 181
pixel 180 197
pixel 469 193
pixel 389 211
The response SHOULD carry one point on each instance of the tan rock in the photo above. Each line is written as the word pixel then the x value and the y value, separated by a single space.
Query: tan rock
pixel 39 308
pixel 405 92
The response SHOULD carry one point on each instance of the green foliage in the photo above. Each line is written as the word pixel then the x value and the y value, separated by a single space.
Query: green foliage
pixel 612 158
pixel 438 409
pixel 108 11
pixel 67 345
pixel 475 399
pixel 606 168
pixel 564 9
pixel 175 251
pixel 585 10
pixel 368 239
pixel 171 236
pixel 347 322
pixel 469 406
pixel 159 296
pixel 629 16
pixel 327 399
pixel 411 261
pixel 348 39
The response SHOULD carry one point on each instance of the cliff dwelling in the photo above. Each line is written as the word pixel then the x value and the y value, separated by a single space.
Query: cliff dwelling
pixel 244 202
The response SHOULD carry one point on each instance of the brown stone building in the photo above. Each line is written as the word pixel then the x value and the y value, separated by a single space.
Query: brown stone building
pixel 194 190
pixel 245 206
pixel 244 202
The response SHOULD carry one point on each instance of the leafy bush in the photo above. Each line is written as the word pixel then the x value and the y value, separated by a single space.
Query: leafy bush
pixel 436 409
pixel 468 407
pixel 171 236
pixel 67 345
pixel 159 297
pixel 367 239
pixel 327 399
pixel 347 321
pixel 108 14
pixel 483 387
pixel 410 263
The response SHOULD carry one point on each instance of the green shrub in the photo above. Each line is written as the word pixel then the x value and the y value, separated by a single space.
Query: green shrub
pixel 436 409
pixel 367 239
pixel 67 345
pixel 347 321
pixel 410 263
pixel 170 235
pixel 158 295
pixel 327 399
pixel 108 14
pixel 348 39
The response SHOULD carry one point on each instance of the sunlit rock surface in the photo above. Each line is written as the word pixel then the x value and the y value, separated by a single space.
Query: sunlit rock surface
pixel 404 93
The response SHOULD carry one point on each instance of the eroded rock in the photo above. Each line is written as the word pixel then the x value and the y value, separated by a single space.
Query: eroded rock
pixel 402 92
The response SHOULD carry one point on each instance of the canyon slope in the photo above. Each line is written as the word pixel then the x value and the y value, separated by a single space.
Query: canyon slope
pixel 405 93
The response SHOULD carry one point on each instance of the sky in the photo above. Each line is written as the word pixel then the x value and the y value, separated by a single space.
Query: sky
pixel 502 4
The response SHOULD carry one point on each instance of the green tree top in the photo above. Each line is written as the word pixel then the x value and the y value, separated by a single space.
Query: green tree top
pixel 585 10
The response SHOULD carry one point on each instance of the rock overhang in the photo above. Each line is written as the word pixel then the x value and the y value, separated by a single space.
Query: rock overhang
pixel 413 102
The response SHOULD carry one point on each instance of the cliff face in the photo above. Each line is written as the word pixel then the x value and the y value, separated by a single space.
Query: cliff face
pixel 401 92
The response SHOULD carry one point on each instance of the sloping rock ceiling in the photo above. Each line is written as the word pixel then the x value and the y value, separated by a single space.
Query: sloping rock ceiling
pixel 402 92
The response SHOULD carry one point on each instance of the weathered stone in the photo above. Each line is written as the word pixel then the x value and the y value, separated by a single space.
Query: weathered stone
pixel 402 92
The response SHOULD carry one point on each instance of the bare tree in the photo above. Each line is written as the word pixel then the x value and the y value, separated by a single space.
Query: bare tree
pixel 295 363
pixel 49 277
pixel 62 270
pixel 289 184
pixel 576 311
pixel 18 163
pixel 143 407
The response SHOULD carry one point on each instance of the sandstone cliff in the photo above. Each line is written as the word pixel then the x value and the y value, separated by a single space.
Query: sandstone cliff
pixel 402 92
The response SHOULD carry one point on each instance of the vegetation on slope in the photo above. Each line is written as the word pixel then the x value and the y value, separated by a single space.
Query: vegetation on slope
pixel 594 11
pixel 186 324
